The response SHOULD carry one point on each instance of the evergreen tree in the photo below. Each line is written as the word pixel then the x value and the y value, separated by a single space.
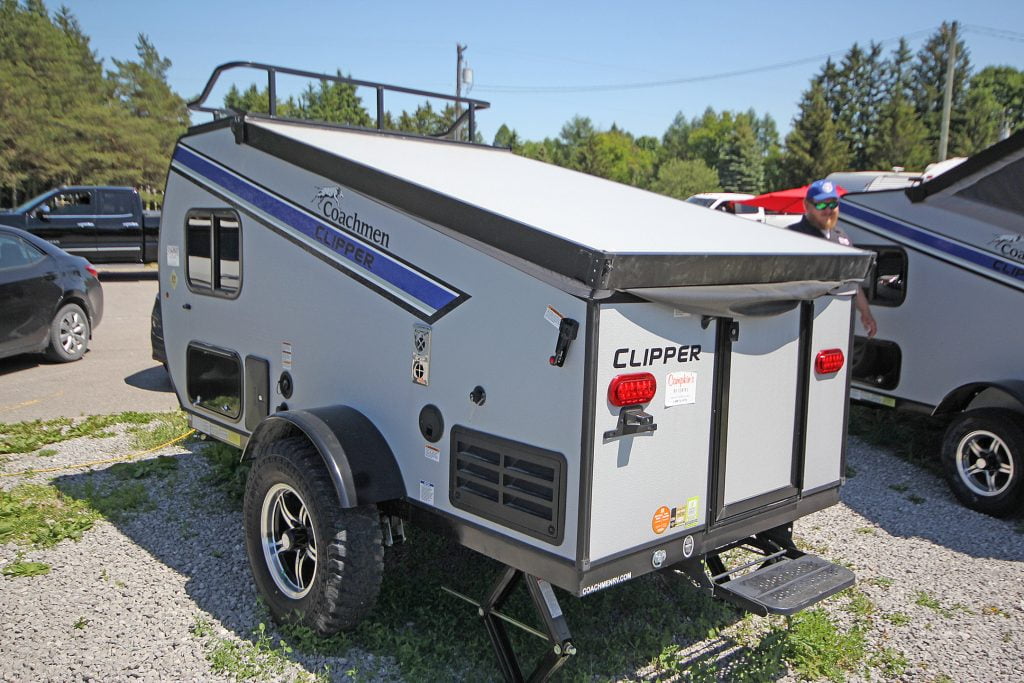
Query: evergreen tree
pixel 334 102
pixel 813 147
pixel 1007 87
pixel 860 94
pixel 741 167
pixel 508 138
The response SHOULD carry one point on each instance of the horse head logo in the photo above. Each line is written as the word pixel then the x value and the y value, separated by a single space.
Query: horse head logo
pixel 327 192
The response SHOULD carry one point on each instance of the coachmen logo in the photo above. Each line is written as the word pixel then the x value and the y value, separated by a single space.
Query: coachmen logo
pixel 1010 244
pixel 328 201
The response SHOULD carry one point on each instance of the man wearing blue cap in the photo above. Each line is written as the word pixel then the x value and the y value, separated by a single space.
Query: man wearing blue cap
pixel 821 213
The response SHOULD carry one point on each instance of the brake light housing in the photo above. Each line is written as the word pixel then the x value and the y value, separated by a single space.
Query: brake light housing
pixel 829 361
pixel 629 390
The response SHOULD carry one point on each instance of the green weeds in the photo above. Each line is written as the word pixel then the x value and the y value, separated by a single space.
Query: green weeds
pixel 227 471
pixel 37 516
pixel 21 568
pixel 911 436
pixel 148 429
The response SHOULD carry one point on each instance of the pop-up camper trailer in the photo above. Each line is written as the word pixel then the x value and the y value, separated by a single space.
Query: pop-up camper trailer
pixel 582 380
pixel 947 295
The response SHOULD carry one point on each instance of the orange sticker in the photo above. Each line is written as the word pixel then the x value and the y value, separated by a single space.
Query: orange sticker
pixel 661 519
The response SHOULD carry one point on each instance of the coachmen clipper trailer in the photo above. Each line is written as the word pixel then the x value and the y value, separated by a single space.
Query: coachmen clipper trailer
pixel 948 295
pixel 582 380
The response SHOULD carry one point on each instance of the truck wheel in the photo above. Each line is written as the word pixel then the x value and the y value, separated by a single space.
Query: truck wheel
pixel 69 334
pixel 315 563
pixel 983 457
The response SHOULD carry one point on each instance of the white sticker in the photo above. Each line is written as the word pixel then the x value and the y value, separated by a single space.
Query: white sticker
pixel 676 313
pixel 553 316
pixel 426 493
pixel 432 453
pixel 680 388
pixel 172 256
pixel 286 355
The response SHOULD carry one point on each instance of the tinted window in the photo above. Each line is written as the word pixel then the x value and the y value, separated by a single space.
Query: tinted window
pixel 700 201
pixel 215 380
pixel 213 243
pixel 16 252
pixel 113 202
pixel 71 204
pixel 743 208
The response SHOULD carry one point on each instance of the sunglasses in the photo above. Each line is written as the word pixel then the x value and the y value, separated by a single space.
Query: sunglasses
pixel 830 204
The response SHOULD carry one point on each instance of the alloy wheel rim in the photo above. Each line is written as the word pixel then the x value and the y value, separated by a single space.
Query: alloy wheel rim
pixel 984 463
pixel 289 541
pixel 72 332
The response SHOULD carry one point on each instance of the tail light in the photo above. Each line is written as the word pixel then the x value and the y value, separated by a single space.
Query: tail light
pixel 92 270
pixel 628 390
pixel 829 361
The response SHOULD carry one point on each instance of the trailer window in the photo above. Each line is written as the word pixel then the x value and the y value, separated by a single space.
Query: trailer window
pixel 888 286
pixel 215 380
pixel 213 243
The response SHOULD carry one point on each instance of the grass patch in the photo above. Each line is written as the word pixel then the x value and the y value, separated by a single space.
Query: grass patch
pixel 915 437
pixel 160 467
pixel 889 661
pixel 21 568
pixel 161 428
pixel 899 488
pixel 227 472
pixel 897 618
pixel 922 599
pixel 33 515
pixel 915 499
pixel 25 437
pixel 114 501
pixel 47 452
pixel 259 660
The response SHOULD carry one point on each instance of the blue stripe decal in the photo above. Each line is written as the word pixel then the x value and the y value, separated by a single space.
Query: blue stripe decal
pixel 980 258
pixel 342 243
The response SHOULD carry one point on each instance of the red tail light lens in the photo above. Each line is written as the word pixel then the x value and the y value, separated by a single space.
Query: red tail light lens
pixel 829 361
pixel 628 390
pixel 92 271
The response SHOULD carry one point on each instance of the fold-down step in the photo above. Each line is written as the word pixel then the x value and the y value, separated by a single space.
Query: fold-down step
pixel 787 586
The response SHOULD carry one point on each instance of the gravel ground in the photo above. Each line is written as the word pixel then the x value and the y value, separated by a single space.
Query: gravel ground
pixel 156 595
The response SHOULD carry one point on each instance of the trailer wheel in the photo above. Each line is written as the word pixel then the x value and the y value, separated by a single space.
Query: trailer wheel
pixel 69 334
pixel 983 457
pixel 315 563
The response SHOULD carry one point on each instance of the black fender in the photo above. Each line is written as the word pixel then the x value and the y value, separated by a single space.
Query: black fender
pixel 960 398
pixel 356 455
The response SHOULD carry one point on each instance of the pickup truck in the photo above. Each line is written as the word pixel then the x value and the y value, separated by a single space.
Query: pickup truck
pixel 103 224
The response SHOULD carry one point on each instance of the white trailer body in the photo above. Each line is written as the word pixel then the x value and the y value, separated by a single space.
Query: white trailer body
pixel 947 295
pixel 585 381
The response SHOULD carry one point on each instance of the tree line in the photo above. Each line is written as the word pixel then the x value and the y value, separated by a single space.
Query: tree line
pixel 65 120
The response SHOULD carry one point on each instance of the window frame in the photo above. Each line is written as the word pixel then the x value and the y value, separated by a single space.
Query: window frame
pixel 226 354
pixel 214 248
pixel 24 245
pixel 871 291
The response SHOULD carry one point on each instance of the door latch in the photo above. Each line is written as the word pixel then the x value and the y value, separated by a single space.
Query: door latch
pixel 567 330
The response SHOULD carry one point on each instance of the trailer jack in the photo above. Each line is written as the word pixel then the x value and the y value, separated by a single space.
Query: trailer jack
pixel 556 631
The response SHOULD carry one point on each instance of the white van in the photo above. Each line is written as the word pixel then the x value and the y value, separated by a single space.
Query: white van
pixel 729 202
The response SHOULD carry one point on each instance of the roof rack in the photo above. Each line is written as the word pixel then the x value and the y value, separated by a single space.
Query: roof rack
pixel 197 105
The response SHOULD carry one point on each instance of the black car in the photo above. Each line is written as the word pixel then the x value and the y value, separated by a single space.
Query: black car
pixel 50 301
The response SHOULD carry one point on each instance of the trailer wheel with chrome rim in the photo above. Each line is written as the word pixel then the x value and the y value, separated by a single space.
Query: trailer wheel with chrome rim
pixel 314 562
pixel 983 458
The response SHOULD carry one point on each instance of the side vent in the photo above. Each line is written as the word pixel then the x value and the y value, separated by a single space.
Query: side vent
pixel 518 486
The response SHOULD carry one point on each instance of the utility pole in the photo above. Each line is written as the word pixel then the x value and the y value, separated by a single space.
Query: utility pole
pixel 459 49
pixel 947 97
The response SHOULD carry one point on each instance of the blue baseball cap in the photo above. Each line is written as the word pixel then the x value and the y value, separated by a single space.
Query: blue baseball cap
pixel 822 190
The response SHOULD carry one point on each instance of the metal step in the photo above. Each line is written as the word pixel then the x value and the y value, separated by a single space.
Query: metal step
pixel 787 586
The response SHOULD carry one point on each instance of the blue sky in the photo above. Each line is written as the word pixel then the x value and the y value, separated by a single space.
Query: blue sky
pixel 526 56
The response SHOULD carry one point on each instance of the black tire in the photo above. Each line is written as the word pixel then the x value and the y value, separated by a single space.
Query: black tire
pixel 69 334
pixel 289 498
pixel 983 458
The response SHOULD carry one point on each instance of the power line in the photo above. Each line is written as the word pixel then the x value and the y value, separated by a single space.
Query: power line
pixel 995 32
pixel 681 80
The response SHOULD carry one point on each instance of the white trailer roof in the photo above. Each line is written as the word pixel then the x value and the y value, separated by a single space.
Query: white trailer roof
pixel 584 209
pixel 602 234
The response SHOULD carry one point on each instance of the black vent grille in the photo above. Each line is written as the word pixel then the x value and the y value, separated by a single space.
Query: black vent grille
pixel 518 486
